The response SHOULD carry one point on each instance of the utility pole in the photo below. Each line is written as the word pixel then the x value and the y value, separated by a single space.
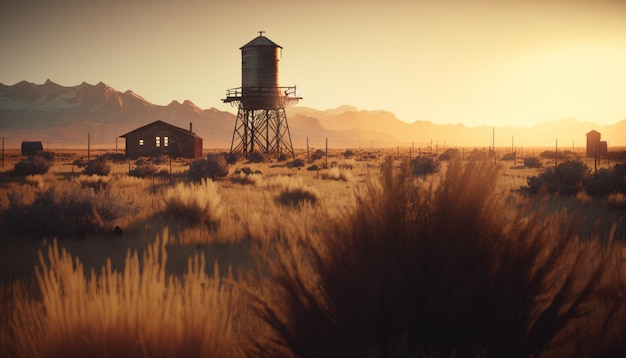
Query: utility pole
pixel 326 151
pixel 493 139
pixel 556 153
pixel 513 150
pixel 88 147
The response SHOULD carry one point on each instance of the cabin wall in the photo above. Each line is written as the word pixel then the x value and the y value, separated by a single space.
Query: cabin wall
pixel 158 140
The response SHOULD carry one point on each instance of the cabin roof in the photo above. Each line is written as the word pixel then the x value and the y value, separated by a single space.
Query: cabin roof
pixel 172 127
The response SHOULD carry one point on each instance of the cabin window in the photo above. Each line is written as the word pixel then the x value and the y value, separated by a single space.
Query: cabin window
pixel 141 142
pixel 165 141
pixel 158 141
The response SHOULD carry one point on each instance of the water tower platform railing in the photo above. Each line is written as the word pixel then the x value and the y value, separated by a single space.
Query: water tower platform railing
pixel 239 93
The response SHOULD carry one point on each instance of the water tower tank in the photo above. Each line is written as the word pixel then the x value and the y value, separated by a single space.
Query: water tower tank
pixel 259 73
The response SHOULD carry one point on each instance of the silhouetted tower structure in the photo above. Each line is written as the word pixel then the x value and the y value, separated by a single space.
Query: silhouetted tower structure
pixel 261 118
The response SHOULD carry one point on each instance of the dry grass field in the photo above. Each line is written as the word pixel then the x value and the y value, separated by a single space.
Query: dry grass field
pixel 360 258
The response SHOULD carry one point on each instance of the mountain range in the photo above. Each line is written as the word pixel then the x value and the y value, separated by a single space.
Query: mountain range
pixel 65 116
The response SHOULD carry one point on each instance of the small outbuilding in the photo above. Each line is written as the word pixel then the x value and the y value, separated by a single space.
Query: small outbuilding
pixel 595 147
pixel 158 138
pixel 29 148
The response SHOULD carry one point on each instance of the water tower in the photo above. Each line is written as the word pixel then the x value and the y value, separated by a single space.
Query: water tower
pixel 261 119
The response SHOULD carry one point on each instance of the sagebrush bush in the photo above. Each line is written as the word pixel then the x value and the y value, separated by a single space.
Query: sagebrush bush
pixel 194 203
pixel 296 163
pixel 293 192
pixel 64 209
pixel 449 154
pixel 255 157
pixel 423 166
pixel 97 182
pixel 97 167
pixel 567 178
pixel 509 156
pixel 233 158
pixel 417 271
pixel 35 164
pixel 606 181
pixel 144 170
pixel 246 179
pixel 212 167
pixel 318 154
pixel 532 162
pixel 479 155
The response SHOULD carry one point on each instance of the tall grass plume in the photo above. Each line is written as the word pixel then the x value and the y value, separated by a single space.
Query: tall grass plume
pixel 422 271
pixel 141 311
pixel 194 203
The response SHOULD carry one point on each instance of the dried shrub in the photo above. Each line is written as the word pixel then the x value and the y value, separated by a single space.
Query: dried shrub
pixel 38 163
pixel 212 167
pixel 617 201
pixel 532 162
pixel 337 174
pixel 417 271
pixel 246 179
pixel 96 182
pixel 144 170
pixel 606 181
pixel 567 178
pixel 449 154
pixel 194 203
pixel 296 163
pixel 79 163
pixel 318 154
pixel 255 157
pixel 233 158
pixel 63 210
pixel 508 156
pixel 423 166
pixel 293 192
pixel 118 158
pixel 479 155
pixel 97 167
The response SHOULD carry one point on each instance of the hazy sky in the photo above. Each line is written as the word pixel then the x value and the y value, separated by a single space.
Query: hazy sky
pixel 472 62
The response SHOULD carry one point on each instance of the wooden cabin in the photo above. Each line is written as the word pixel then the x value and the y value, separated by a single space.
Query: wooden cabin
pixel 160 138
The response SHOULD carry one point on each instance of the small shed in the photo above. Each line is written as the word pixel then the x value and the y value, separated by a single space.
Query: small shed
pixel 596 147
pixel 29 148
pixel 158 138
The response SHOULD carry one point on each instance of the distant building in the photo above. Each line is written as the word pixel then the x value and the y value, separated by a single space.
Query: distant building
pixel 596 147
pixel 30 148
pixel 159 138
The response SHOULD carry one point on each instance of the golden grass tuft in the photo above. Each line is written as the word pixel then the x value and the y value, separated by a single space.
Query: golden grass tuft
pixel 617 201
pixel 337 174
pixel 141 311
pixel 194 202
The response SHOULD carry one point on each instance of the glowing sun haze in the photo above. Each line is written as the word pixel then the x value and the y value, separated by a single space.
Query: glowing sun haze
pixel 473 62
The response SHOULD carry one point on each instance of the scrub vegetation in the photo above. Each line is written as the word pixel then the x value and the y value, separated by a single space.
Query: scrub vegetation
pixel 386 257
